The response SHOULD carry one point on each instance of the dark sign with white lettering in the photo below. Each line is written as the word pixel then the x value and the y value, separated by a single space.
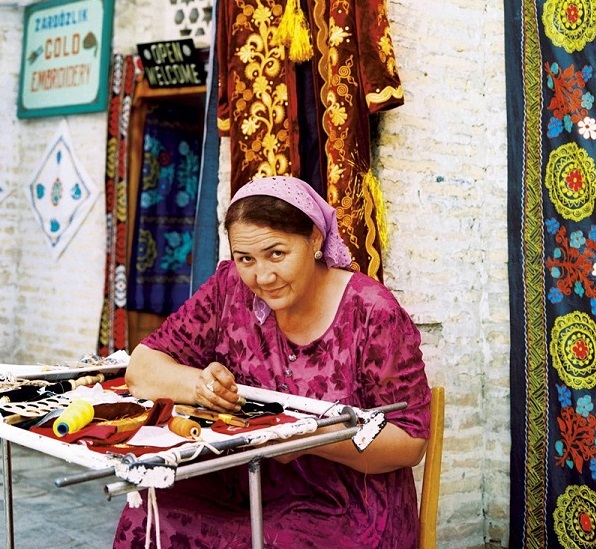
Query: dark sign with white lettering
pixel 175 63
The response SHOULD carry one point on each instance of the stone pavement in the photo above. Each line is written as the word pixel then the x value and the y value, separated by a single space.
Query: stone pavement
pixel 48 517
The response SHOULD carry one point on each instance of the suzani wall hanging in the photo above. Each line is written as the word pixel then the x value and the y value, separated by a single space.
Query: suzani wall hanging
pixel 161 257
pixel 61 193
pixel 551 56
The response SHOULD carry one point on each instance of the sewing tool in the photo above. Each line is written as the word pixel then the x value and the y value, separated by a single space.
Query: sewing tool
pixel 251 408
pixel 22 411
pixel 78 414
pixel 208 415
pixel 29 393
pixel 184 427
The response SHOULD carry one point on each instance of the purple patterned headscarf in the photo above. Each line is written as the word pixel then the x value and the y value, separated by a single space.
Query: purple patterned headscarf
pixel 296 192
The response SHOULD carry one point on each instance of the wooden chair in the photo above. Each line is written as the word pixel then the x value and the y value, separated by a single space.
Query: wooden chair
pixel 431 478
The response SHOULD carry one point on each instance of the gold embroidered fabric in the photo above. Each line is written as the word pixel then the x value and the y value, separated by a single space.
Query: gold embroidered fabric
pixel 354 74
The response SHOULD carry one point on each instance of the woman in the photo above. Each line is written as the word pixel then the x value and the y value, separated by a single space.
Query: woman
pixel 285 314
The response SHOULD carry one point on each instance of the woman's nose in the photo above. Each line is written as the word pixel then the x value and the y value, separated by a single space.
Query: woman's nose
pixel 264 274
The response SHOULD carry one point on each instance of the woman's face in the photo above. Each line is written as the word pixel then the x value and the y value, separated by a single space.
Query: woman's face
pixel 278 267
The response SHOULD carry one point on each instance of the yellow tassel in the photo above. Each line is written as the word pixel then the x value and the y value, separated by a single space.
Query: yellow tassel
pixel 285 29
pixel 377 196
pixel 293 33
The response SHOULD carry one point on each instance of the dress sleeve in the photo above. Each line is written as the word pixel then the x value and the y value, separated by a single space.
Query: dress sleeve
pixel 392 366
pixel 189 335
pixel 378 68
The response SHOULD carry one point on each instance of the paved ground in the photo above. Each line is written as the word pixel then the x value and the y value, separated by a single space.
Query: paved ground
pixel 48 517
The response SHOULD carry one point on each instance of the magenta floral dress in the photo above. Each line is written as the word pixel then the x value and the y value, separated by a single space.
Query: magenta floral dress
pixel 369 356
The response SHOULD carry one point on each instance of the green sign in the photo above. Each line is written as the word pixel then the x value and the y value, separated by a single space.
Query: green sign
pixel 66 57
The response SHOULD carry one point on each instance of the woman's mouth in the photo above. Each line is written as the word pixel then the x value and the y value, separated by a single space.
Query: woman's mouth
pixel 273 293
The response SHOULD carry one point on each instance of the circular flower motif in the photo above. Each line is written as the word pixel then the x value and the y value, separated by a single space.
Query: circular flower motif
pixel 587 128
pixel 147 250
pixel 182 199
pixel 570 24
pixel 573 350
pixel 184 148
pixel 564 396
pixel 571 181
pixel 574 181
pixel 584 405
pixel 120 286
pixel 575 517
pixel 164 158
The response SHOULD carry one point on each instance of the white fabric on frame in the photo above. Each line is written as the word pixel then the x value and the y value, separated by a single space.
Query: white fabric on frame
pixel 61 193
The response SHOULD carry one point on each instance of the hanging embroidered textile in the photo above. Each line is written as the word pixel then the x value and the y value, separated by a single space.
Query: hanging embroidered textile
pixel 160 263
pixel 113 330
pixel 310 119
pixel 61 192
pixel 552 270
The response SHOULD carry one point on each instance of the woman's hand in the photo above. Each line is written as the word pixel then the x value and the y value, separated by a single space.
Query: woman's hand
pixel 152 374
pixel 216 389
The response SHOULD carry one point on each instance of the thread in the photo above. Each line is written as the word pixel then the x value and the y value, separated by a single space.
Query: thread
pixel 184 427
pixel 75 416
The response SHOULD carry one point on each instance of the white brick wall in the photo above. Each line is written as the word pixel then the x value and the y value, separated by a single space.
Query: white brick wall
pixel 10 39
pixel 441 159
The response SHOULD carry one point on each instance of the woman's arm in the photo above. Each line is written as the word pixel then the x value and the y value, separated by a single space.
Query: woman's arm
pixel 392 449
pixel 389 368
pixel 152 374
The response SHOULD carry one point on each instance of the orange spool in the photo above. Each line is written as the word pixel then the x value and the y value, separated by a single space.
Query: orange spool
pixel 184 427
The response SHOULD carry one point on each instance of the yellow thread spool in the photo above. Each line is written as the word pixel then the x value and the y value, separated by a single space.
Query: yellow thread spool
pixel 75 416
pixel 184 427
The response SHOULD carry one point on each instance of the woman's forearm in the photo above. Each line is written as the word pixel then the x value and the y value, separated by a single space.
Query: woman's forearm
pixel 391 449
pixel 152 374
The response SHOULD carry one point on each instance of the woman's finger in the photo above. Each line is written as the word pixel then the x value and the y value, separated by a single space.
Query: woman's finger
pixel 216 394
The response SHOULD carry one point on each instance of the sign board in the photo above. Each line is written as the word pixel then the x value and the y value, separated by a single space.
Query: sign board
pixel 66 57
pixel 174 63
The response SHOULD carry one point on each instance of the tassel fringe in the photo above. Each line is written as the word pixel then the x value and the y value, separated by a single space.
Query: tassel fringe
pixel 293 33
pixel 381 214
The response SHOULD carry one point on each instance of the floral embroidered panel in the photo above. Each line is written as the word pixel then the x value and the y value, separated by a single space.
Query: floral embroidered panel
pixel 552 271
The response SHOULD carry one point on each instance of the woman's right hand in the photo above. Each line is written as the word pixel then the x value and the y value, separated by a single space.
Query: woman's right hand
pixel 216 389
pixel 152 374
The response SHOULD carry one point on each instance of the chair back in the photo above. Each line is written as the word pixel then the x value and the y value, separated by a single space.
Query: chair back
pixel 431 479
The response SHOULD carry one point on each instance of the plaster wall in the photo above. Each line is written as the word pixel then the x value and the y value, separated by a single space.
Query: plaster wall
pixel 441 160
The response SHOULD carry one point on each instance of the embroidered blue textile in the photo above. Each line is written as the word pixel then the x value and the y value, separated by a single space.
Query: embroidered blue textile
pixel 160 266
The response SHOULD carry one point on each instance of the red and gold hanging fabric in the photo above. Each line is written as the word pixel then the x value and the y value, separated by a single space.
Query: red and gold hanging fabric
pixel 264 98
